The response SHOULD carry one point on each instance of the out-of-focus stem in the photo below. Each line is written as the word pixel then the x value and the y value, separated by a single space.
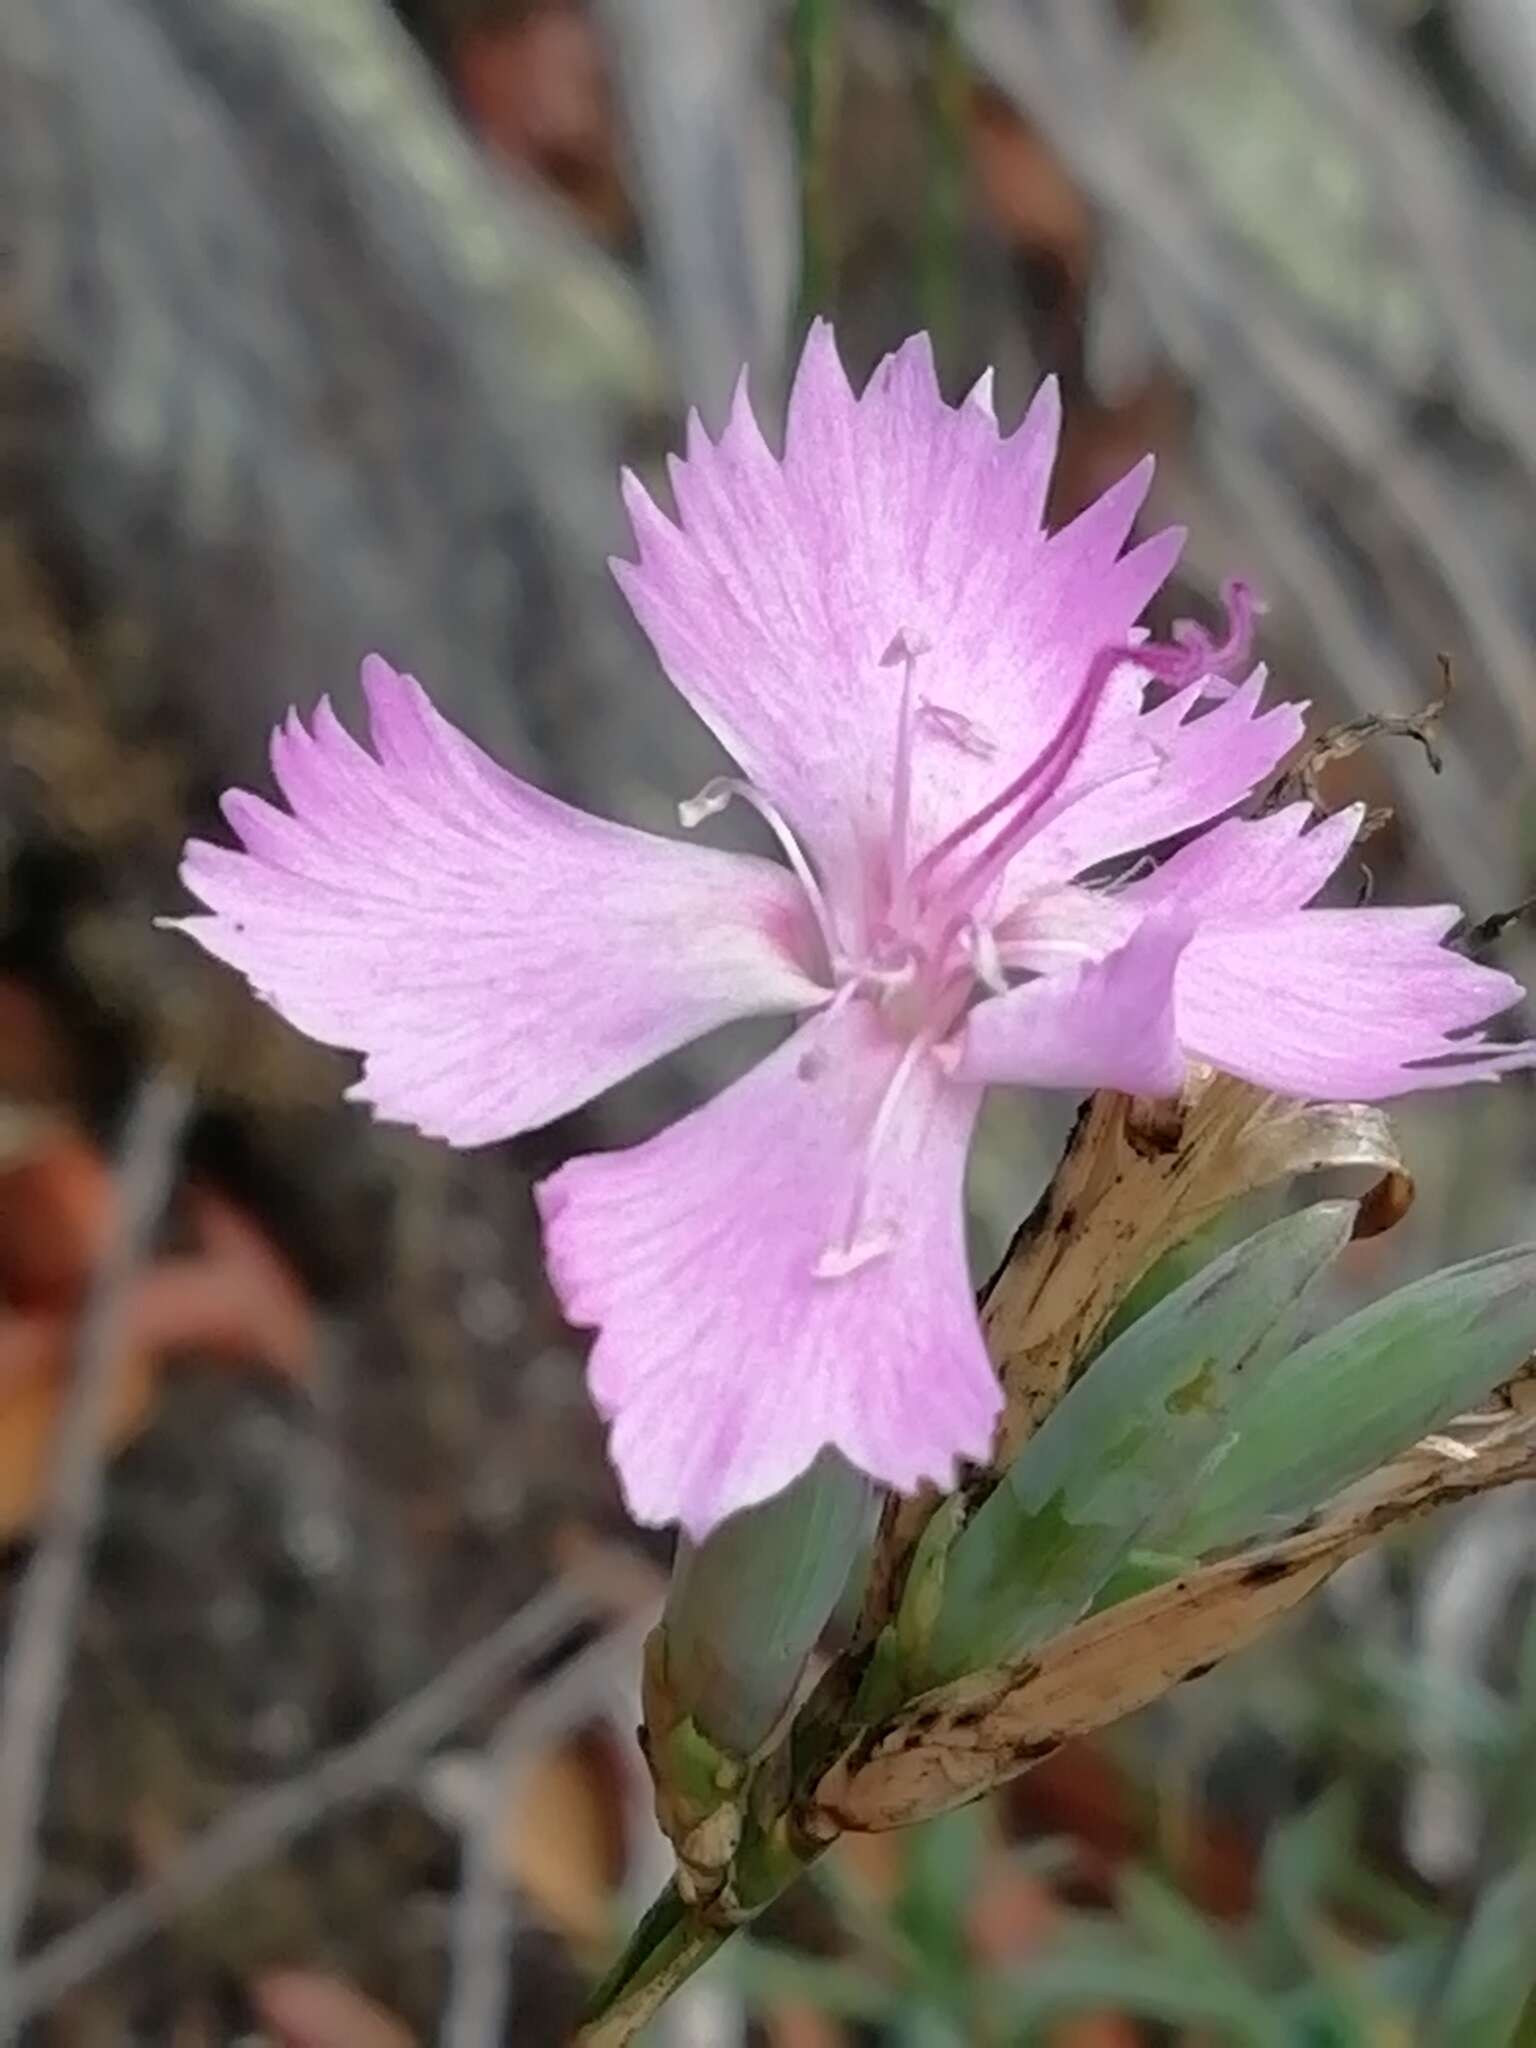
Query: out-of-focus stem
pixel 943 188
pixel 817 32
pixel 664 1951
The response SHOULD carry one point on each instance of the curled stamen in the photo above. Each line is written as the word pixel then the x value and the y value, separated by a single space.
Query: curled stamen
pixel 1196 655
pixel 712 799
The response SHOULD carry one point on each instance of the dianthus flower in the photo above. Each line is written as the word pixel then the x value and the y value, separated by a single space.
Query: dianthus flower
pixel 958 736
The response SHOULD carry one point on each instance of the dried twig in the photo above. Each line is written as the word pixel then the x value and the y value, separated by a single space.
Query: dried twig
pixel 1340 741
pixel 1478 937
pixel 267 1821
pixel 1329 611
pixel 37 1663
pixel 1146 1184
pixel 956 1743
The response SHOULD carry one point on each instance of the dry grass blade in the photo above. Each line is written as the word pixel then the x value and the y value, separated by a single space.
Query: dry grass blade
pixel 482 1928
pixel 955 1744
pixel 1137 1179
pixel 43 1632
pixel 1450 222
pixel 260 1826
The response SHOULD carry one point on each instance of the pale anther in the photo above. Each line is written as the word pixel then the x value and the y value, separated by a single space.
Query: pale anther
pixel 960 731
pixel 711 800
pixel 905 645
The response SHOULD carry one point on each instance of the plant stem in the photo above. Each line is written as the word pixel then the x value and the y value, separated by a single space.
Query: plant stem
pixel 664 1951
pixel 816 30
pixel 943 190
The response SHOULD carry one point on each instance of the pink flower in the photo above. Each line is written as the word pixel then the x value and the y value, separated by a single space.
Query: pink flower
pixel 935 708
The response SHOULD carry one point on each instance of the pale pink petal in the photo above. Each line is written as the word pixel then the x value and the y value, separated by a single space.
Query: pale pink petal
pixel 1204 763
pixel 1246 868
pixel 1108 1024
pixel 1065 927
pixel 498 957
pixel 774 598
pixel 1343 1004
pixel 722 1360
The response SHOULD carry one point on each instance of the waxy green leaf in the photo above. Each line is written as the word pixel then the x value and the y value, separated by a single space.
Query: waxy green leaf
pixel 1357 1395
pixel 1134 1434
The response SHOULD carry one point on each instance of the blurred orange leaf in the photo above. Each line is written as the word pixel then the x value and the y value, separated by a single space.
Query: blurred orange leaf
pixel 36 1353
pixel 233 1298
pixel 1027 188
pixel 57 1205
pixel 802 2026
pixel 308 2009
pixel 36 1061
pixel 562 1839
pixel 535 90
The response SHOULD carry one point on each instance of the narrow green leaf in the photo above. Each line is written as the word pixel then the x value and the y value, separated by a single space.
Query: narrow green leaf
pixel 767 1974
pixel 1493 1964
pixel 1135 1433
pixel 746 1607
pixel 944 1859
pixel 1354 1397
pixel 1080 1974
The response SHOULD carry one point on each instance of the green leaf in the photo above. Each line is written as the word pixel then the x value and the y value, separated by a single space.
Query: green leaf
pixel 1173 1928
pixel 1354 1397
pixel 944 1859
pixel 1303 1860
pixel 1136 1432
pixel 1087 1970
pixel 767 1974
pixel 1493 1964
pixel 746 1607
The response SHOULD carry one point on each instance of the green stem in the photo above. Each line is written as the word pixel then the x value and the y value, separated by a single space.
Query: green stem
pixel 664 1951
pixel 817 26
pixel 944 186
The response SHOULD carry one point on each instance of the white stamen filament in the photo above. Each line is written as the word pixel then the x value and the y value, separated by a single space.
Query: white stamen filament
pixel 812 1061
pixel 859 1246
pixel 713 798
pixel 904 648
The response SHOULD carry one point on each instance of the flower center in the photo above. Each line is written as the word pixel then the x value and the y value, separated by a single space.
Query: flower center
pixel 931 945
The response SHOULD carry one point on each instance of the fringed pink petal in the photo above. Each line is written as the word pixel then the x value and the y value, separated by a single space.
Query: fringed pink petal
pixel 725 1357
pixel 1246 868
pixel 497 957
pixel 774 597
pixel 1344 1005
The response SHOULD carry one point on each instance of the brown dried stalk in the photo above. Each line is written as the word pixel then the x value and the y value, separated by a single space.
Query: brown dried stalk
pixel 955 1744
pixel 1138 1178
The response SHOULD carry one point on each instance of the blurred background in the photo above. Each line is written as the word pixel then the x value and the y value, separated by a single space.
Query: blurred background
pixel 325 325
